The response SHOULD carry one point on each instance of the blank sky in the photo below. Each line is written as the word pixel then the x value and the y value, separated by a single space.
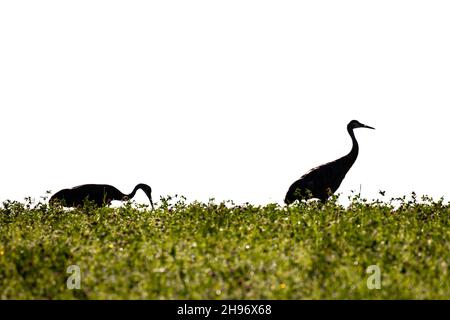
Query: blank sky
pixel 230 99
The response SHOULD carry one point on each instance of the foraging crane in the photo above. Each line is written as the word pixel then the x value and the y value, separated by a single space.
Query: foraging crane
pixel 100 194
pixel 321 182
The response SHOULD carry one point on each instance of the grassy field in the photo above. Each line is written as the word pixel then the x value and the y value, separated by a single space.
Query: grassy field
pixel 224 251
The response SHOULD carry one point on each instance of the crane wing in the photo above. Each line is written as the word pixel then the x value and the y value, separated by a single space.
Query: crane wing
pixel 328 175
pixel 318 182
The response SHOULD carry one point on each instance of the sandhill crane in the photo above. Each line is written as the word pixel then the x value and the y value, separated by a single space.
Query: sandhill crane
pixel 100 194
pixel 321 182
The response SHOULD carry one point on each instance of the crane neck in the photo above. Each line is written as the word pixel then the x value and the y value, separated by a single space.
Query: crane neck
pixel 133 193
pixel 353 154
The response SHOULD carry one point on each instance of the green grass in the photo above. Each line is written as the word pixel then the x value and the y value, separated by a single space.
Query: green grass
pixel 225 251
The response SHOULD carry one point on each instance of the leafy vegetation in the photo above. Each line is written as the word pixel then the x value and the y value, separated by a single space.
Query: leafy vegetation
pixel 225 251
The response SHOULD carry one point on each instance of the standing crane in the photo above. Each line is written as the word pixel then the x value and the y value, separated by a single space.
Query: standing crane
pixel 100 194
pixel 321 182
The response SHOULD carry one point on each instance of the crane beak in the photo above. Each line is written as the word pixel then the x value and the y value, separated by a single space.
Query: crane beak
pixel 368 127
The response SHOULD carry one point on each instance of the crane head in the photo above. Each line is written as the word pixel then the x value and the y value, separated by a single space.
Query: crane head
pixel 148 191
pixel 356 124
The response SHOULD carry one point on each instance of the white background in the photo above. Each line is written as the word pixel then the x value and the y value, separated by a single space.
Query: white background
pixel 224 99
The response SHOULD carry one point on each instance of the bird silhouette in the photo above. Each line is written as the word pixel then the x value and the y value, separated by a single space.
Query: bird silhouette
pixel 99 194
pixel 321 182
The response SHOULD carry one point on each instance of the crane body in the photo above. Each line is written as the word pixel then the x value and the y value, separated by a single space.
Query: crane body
pixel 100 194
pixel 321 182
